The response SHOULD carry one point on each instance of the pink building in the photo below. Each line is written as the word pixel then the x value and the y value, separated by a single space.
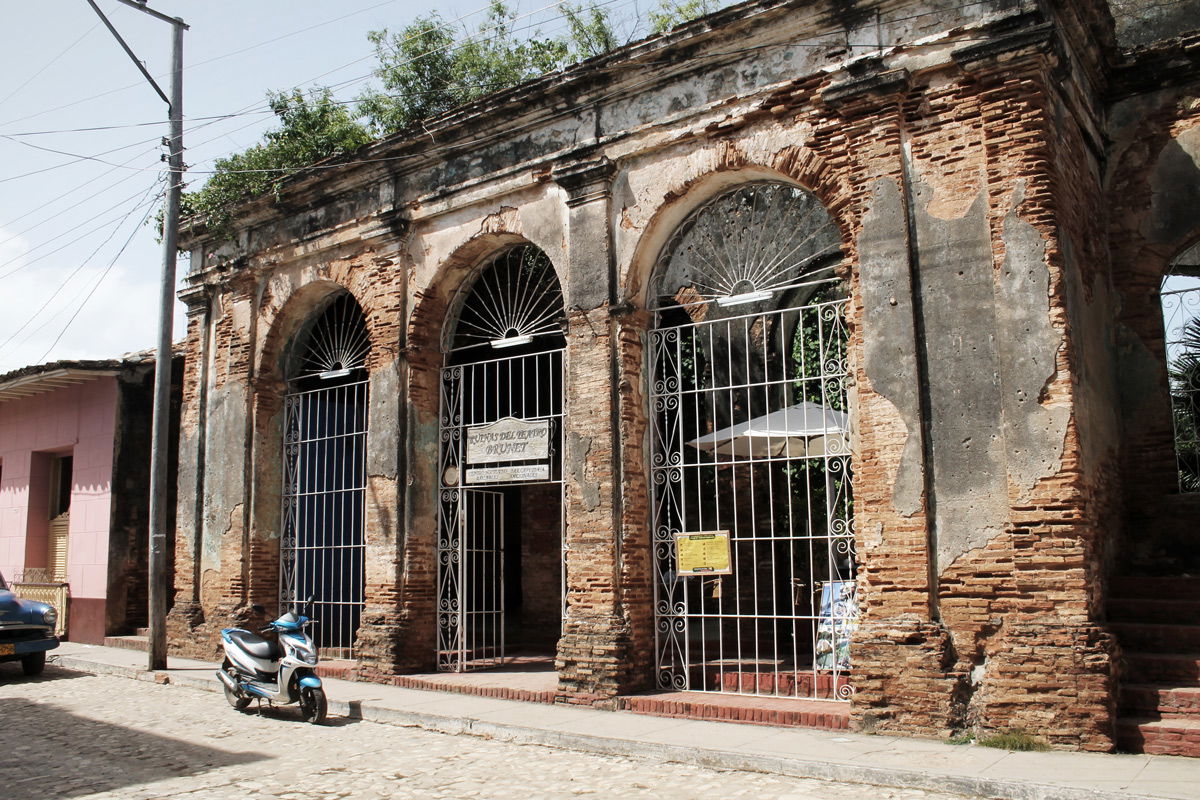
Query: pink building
pixel 74 474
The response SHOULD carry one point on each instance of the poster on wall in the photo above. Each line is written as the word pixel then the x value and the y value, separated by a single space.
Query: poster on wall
pixel 703 553
pixel 837 621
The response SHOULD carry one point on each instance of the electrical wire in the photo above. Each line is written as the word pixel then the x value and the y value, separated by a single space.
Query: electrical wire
pixel 76 204
pixel 220 57
pixel 49 64
pixel 87 221
pixel 76 157
pixel 99 280
pixel 60 248
pixel 83 263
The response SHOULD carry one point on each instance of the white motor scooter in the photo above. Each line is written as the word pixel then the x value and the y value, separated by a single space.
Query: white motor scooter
pixel 280 673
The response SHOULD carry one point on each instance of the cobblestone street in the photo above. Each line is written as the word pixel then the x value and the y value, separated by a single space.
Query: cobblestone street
pixel 72 735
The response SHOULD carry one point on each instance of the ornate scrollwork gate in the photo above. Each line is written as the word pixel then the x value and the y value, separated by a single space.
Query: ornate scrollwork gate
pixel 504 355
pixel 324 480
pixel 751 495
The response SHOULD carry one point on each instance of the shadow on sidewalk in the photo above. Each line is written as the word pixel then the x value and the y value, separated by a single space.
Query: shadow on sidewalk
pixel 52 753
pixel 10 672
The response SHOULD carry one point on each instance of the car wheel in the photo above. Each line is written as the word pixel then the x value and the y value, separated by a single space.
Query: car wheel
pixel 34 663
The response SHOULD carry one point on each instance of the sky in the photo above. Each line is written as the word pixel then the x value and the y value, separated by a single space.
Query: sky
pixel 80 269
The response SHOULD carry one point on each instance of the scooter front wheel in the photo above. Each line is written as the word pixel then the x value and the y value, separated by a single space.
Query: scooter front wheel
pixel 312 704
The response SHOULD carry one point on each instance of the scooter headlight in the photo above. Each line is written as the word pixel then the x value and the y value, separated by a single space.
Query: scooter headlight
pixel 305 651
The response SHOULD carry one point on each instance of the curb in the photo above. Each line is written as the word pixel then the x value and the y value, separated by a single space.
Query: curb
pixel 606 745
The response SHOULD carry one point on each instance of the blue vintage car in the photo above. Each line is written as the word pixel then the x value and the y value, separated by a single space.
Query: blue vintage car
pixel 26 630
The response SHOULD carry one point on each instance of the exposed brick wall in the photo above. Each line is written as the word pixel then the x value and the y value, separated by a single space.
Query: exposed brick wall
pixel 987 619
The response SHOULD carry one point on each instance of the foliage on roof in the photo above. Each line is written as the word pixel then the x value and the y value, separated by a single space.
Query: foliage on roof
pixel 424 70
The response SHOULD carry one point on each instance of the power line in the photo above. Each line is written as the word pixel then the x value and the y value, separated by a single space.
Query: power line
pixel 76 157
pixel 60 248
pixel 49 64
pixel 69 192
pixel 99 281
pixel 117 204
pixel 223 56
pixel 82 264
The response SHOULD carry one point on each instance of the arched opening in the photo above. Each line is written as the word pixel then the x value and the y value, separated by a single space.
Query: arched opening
pixel 324 474
pixel 750 433
pixel 1180 295
pixel 500 526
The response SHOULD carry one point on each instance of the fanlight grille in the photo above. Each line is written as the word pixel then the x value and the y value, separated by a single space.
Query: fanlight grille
pixel 513 300
pixel 749 242
pixel 338 342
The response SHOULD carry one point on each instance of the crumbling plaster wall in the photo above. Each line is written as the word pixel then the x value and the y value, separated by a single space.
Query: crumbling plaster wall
pixel 971 522
pixel 1144 22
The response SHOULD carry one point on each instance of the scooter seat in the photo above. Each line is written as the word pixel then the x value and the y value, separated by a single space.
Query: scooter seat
pixel 256 645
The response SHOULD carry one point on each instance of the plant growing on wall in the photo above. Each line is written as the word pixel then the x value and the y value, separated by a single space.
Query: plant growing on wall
pixel 424 70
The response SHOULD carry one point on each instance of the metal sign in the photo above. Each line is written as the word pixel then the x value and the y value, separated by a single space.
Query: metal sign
pixel 508 439
pixel 703 553
pixel 521 472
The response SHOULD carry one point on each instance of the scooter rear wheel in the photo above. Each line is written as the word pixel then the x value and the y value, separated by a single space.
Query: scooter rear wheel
pixel 312 705
pixel 238 701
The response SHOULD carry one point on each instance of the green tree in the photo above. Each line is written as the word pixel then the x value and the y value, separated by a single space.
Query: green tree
pixel 676 12
pixel 424 74
pixel 423 71
pixel 311 128
pixel 1184 373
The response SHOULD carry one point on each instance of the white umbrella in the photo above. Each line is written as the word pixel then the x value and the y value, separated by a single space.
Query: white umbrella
pixel 804 429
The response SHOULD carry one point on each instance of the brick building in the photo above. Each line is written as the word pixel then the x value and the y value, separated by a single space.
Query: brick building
pixel 811 350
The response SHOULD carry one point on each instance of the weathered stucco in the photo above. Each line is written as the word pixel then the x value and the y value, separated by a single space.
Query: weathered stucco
pixel 889 334
pixel 1028 343
pixel 961 173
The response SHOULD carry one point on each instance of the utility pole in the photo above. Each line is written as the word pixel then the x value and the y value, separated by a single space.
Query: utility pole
pixel 160 444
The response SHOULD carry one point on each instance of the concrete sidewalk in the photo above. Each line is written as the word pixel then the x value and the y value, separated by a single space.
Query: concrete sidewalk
pixel 835 756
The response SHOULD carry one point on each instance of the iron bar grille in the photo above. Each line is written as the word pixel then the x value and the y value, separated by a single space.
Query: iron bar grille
pixel 1181 323
pixel 323 510
pixel 750 435
pixel 525 387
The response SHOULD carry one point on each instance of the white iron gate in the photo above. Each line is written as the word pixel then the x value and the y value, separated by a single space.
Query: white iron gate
pixel 323 509
pixel 525 389
pixel 751 501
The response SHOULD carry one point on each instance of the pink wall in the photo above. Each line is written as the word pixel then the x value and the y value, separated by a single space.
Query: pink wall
pixel 76 420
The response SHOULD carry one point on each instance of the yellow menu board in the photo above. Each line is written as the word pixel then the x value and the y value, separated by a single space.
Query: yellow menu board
pixel 703 553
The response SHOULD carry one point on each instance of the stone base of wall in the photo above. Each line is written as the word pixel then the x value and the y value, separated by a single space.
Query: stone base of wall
pixel 903 678
pixel 1052 680
pixel 593 661
pixel 193 634
pixel 380 646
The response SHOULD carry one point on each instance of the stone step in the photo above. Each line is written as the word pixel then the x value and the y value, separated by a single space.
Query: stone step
pixel 142 631
pixel 128 642
pixel 1158 637
pixel 741 708
pixel 804 684
pixel 1144 699
pixel 1171 736
pixel 1173 668
pixel 1181 587
pixel 1169 612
